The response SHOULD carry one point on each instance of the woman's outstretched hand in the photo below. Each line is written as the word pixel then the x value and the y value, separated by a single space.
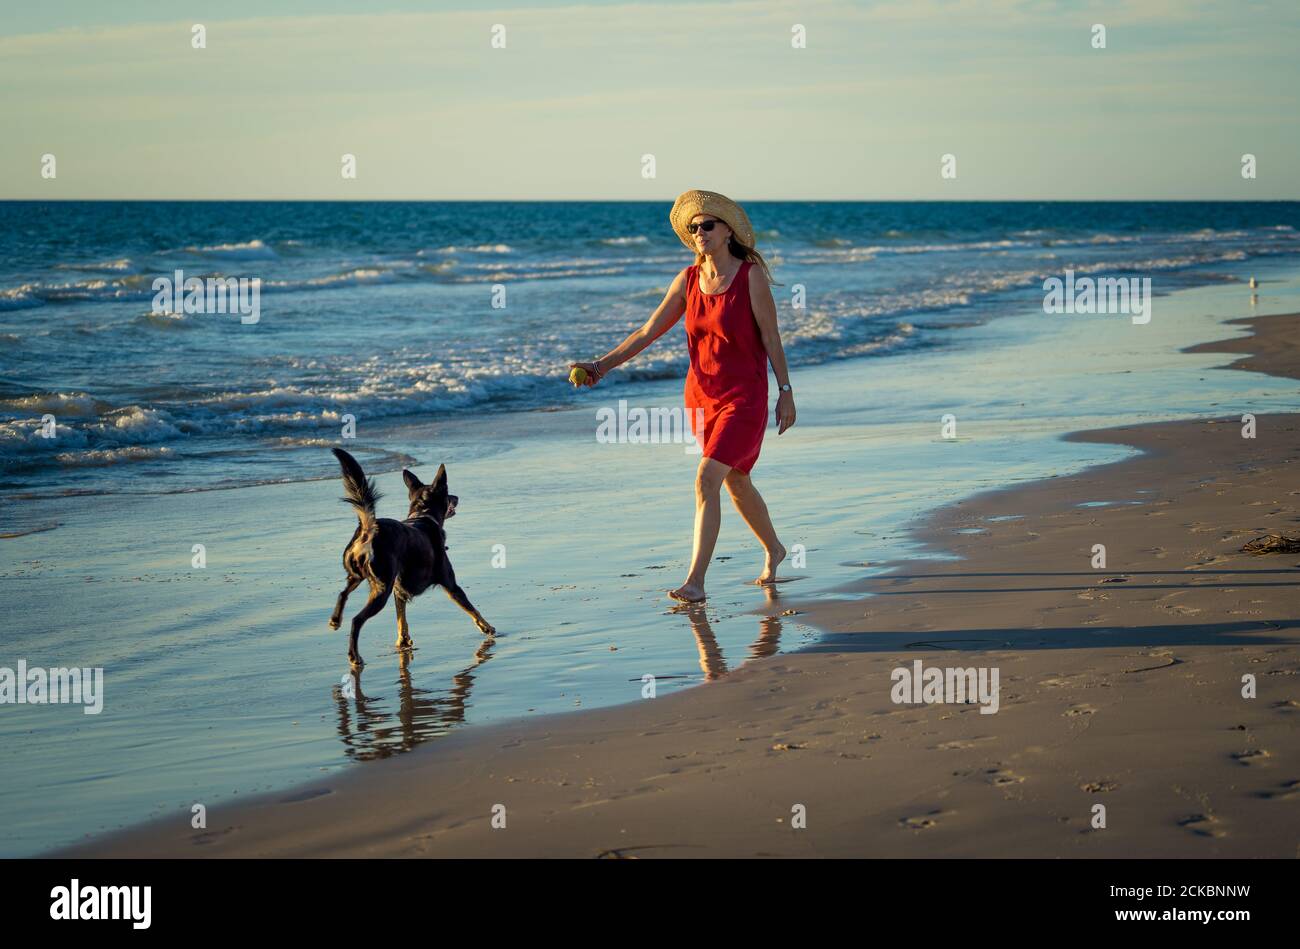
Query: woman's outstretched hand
pixel 591 370
pixel 784 411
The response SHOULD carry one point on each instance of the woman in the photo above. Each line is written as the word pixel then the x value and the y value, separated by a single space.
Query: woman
pixel 731 335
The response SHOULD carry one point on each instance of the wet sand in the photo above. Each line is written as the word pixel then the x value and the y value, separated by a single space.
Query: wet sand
pixel 1120 686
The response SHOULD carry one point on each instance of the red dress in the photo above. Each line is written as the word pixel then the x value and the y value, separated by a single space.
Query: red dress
pixel 728 375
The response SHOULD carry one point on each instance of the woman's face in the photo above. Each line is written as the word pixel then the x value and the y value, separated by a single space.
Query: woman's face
pixel 709 242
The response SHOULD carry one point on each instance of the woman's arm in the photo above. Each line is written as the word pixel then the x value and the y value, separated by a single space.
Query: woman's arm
pixel 760 295
pixel 661 321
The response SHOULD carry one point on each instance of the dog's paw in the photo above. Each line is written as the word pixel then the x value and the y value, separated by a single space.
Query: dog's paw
pixel 335 622
pixel 487 629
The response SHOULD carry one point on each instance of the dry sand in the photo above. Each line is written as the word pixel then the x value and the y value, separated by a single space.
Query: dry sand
pixel 1119 686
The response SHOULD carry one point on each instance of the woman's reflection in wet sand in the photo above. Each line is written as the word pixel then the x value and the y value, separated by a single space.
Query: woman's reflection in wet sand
pixel 712 662
pixel 370 730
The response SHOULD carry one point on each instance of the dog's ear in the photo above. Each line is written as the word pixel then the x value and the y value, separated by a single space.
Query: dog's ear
pixel 413 483
pixel 441 476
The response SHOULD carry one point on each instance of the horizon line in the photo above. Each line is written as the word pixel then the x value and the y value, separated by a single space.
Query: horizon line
pixel 4 200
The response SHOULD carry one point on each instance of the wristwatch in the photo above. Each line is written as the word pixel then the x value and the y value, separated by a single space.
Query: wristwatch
pixel 786 388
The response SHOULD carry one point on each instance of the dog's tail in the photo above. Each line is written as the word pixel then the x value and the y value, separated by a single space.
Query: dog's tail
pixel 360 491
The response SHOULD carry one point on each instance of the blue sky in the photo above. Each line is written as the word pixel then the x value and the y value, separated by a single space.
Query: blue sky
pixel 714 91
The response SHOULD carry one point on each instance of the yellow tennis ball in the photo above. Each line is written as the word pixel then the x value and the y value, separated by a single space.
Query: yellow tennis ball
pixel 578 376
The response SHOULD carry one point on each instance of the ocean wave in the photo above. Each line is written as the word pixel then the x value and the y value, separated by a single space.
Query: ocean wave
pixel 248 250
pixel 166 320
pixel 474 249
pixel 1035 238
pixel 904 334
pixel 121 265
pixel 354 277
pixel 20 298
pixel 100 457
pixel 499 275
pixel 843 252
pixel 139 287
pixel 970 285
pixel 76 404
pixel 28 295
pixel 22 441
pixel 568 264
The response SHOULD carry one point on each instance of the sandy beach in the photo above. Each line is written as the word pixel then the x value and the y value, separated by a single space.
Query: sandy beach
pixel 1120 686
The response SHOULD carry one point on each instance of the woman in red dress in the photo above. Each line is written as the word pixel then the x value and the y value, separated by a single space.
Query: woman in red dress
pixel 731 334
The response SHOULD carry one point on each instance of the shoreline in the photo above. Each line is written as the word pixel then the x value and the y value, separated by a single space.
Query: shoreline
pixel 1184 766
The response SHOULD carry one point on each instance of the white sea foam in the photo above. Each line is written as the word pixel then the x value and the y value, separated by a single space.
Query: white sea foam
pixel 100 457
pixel 248 250
pixel 476 249
pixel 55 403
pixel 121 265
pixel 20 298
pixel 354 277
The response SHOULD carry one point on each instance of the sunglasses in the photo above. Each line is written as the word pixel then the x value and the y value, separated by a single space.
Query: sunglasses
pixel 702 226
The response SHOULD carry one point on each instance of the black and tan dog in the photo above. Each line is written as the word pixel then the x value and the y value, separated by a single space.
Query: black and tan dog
pixel 401 559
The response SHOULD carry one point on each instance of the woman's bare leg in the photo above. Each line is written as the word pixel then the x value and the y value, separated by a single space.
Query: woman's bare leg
pixel 751 507
pixel 708 516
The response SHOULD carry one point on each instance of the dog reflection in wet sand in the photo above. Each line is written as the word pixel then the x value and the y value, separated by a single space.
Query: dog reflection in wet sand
pixel 400 559
pixel 370 728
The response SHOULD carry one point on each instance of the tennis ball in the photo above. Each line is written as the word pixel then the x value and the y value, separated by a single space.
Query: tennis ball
pixel 578 376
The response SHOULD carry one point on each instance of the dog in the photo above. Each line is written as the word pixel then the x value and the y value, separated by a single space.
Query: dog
pixel 401 559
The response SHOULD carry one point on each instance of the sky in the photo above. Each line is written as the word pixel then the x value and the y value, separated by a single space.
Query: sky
pixel 715 92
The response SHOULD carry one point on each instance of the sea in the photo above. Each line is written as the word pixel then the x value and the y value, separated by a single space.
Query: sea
pixel 408 310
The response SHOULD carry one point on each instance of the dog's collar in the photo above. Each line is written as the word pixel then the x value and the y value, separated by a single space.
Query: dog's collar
pixel 428 517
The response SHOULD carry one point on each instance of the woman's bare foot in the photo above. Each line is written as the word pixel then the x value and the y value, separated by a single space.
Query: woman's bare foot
pixel 769 569
pixel 688 593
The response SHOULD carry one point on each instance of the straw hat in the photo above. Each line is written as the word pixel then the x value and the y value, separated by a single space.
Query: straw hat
pixel 691 203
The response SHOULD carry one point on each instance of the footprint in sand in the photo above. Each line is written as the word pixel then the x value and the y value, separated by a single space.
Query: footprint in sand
pixel 1254 756
pixel 1057 680
pixel 625 853
pixel 1074 710
pixel 922 821
pixel 305 796
pixel 1284 790
pixel 1202 825
pixel 1001 778
pixel 959 743
pixel 211 835
pixel 1098 787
